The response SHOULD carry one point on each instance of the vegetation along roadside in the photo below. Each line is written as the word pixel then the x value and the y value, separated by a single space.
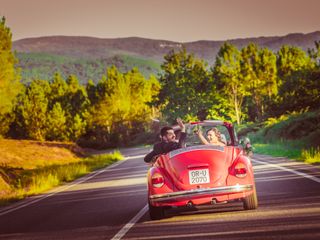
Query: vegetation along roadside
pixel 31 167
pixel 294 135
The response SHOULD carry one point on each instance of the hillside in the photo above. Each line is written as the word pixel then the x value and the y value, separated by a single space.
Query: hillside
pixel 87 57
pixel 44 65
pixel 95 48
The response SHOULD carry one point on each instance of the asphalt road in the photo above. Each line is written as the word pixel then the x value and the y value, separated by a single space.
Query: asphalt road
pixel 111 204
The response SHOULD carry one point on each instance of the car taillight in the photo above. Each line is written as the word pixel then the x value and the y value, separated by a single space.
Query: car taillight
pixel 157 180
pixel 240 170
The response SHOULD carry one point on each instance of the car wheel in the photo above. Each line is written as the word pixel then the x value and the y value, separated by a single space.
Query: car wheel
pixel 156 213
pixel 251 202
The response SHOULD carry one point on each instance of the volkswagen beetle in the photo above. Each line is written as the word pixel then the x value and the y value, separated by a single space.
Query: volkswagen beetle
pixel 201 174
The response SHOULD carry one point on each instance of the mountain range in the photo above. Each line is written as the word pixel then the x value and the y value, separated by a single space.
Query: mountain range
pixel 88 57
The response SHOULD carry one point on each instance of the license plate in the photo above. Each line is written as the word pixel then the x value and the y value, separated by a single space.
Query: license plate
pixel 199 176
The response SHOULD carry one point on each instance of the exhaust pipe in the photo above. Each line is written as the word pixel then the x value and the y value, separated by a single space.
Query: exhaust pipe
pixel 189 204
pixel 214 202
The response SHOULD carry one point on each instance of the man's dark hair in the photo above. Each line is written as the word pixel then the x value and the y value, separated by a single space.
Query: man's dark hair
pixel 164 130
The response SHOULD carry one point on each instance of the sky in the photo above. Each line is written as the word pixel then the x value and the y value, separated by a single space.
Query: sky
pixel 175 20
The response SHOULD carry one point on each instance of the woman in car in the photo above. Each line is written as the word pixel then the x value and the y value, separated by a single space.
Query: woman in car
pixel 213 137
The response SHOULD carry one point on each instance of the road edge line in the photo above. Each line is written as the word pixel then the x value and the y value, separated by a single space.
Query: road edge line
pixel 130 224
pixel 59 189
pixel 289 170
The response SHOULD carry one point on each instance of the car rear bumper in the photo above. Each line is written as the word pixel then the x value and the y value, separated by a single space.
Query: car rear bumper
pixel 201 192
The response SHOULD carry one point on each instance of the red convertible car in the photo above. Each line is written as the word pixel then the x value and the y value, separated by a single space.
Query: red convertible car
pixel 202 174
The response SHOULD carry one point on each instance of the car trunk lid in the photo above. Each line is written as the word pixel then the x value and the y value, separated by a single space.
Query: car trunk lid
pixel 199 166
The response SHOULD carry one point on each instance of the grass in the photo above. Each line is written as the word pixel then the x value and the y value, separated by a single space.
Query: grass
pixel 26 175
pixel 33 154
pixel 277 150
pixel 311 155
pixel 30 182
pixel 295 136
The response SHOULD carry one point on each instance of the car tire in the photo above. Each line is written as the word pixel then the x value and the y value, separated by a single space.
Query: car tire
pixel 251 202
pixel 156 213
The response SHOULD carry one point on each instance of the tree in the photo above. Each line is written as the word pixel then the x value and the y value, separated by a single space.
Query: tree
pixel 267 73
pixel 290 60
pixel 33 106
pixel 78 127
pixel 92 92
pixel 228 80
pixel 294 70
pixel 314 54
pixel 259 72
pixel 76 105
pixel 266 88
pixel 10 85
pixel 186 87
pixel 121 106
pixel 59 89
pixel 56 124
pixel 141 93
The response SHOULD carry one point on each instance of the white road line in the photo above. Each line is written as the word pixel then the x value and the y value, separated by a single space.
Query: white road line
pixel 136 156
pixel 130 224
pixel 61 189
pixel 289 170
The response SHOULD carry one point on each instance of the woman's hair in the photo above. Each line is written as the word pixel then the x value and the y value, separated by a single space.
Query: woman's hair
pixel 216 132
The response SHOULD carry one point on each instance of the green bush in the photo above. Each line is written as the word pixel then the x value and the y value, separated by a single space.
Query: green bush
pixel 295 135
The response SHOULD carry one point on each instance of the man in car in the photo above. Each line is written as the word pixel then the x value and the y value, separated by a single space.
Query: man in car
pixel 168 141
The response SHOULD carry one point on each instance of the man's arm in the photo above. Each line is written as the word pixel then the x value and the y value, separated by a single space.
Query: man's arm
pixel 181 125
pixel 157 149
pixel 182 139
pixel 149 156
pixel 183 134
